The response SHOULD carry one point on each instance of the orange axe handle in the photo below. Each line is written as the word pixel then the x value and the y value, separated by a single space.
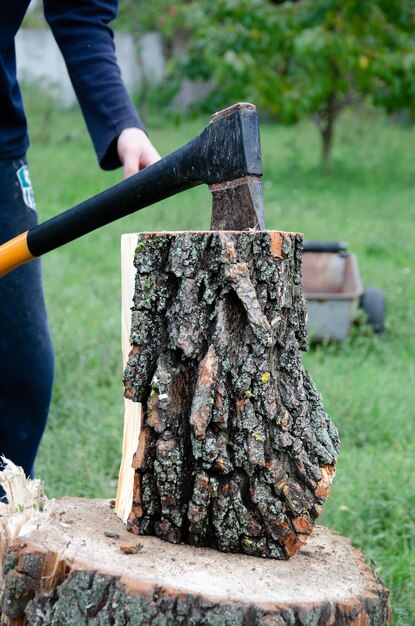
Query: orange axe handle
pixel 14 253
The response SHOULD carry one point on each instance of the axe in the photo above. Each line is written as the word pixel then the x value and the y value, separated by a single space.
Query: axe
pixel 226 156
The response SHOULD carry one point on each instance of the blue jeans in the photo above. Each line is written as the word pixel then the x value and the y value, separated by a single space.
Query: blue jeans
pixel 26 351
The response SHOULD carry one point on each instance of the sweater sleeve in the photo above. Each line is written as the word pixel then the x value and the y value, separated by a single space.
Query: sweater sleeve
pixel 86 41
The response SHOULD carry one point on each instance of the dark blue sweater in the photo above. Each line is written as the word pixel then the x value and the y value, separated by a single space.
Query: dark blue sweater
pixel 81 30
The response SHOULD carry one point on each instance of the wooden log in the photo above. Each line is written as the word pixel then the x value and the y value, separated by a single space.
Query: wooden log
pixel 236 451
pixel 132 410
pixel 82 568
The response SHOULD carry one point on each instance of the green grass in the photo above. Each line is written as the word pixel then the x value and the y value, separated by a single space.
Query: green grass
pixel 367 199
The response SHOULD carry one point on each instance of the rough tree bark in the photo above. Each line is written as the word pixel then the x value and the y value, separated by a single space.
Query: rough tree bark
pixel 82 568
pixel 235 450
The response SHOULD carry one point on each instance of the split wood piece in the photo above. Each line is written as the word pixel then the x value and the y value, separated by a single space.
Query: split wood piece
pixel 84 568
pixel 236 451
pixel 132 410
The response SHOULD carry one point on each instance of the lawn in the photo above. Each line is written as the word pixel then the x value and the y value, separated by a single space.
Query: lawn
pixel 367 382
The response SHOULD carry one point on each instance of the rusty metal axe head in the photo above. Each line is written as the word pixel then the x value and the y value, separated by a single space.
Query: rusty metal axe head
pixel 227 157
pixel 238 203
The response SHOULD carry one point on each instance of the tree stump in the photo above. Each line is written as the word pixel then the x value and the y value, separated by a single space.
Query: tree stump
pixel 235 450
pixel 82 568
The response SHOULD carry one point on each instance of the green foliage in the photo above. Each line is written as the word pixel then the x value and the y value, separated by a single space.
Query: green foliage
pixel 312 58
pixel 136 16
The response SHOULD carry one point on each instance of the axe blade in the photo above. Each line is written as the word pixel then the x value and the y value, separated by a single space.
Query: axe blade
pixel 238 204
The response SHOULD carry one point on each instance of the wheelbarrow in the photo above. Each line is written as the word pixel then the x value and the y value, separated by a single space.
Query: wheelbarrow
pixel 334 292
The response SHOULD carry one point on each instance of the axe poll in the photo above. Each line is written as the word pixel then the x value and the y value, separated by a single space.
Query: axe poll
pixel 226 156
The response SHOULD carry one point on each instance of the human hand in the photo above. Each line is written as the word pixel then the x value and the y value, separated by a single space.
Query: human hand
pixel 135 150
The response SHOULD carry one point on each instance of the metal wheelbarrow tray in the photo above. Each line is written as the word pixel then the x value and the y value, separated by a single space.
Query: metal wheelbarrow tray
pixel 333 289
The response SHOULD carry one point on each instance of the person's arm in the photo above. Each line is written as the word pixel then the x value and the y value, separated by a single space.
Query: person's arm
pixel 86 42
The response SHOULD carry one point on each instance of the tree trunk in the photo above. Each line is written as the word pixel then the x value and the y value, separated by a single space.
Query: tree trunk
pixel 325 122
pixel 327 139
pixel 82 568
pixel 235 450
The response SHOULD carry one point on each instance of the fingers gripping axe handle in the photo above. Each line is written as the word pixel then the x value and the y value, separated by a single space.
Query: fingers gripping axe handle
pixel 228 149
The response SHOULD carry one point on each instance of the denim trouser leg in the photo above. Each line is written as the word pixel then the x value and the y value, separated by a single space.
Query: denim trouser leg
pixel 26 352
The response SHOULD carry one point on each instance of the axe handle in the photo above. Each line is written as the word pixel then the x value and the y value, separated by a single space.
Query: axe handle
pixel 148 186
pixel 14 253
pixel 228 148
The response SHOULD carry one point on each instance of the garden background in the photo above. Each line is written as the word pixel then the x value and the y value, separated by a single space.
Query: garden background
pixel 362 192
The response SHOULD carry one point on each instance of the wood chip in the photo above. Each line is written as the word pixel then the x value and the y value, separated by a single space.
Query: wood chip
pixel 131 548
pixel 111 534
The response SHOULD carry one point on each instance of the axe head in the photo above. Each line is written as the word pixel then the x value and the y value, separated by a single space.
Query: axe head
pixel 237 200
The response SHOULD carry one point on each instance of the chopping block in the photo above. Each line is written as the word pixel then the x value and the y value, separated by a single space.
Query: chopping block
pixel 82 567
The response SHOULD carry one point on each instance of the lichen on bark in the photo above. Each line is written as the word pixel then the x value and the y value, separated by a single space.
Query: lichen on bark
pixel 235 451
